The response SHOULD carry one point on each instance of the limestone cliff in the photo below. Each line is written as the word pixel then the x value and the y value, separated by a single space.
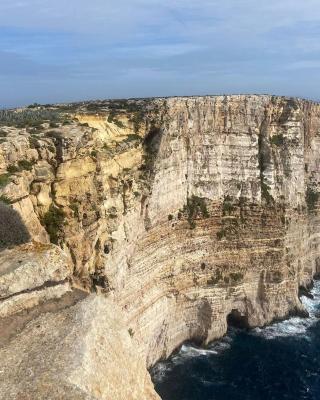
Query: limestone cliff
pixel 180 214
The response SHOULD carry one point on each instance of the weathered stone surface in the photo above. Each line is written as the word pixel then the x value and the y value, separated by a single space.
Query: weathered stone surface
pixel 30 267
pixel 81 352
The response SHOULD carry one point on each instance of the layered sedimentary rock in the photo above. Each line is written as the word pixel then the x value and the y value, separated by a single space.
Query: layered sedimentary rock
pixel 180 214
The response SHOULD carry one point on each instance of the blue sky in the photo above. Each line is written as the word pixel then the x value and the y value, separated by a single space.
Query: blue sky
pixel 53 51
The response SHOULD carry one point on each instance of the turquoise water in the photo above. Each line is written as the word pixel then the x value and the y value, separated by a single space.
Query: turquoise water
pixel 278 362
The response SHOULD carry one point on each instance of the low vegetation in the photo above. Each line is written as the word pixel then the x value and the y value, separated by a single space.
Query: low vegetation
pixel 277 140
pixel 112 118
pixel 4 180
pixel 196 207
pixel 25 165
pixel 227 206
pixel 54 221
pixel 265 193
pixel 312 198
pixel 30 117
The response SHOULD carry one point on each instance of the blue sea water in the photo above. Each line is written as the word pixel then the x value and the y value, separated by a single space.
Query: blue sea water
pixel 279 362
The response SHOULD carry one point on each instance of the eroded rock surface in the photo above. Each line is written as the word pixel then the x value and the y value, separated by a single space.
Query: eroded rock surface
pixel 176 212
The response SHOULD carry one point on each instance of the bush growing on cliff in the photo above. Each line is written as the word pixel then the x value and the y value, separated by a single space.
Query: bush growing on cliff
pixel 265 194
pixel 277 140
pixel 133 138
pixel 221 234
pixel 195 207
pixel 12 169
pixel 227 206
pixel 112 119
pixel 25 165
pixel 312 198
pixel 12 230
pixel 54 220
pixel 4 180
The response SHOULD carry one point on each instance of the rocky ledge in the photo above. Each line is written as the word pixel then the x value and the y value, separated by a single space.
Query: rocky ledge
pixel 131 226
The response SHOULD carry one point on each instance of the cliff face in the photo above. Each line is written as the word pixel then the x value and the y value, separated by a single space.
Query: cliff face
pixel 184 214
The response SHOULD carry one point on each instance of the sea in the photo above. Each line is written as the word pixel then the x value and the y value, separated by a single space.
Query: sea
pixel 278 362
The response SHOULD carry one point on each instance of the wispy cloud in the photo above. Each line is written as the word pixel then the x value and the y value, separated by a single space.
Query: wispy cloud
pixel 152 47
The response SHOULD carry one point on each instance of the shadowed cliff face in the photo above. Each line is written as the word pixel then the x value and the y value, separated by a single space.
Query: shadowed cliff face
pixel 182 211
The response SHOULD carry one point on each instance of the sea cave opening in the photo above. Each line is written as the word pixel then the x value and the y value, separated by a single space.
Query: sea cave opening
pixel 236 320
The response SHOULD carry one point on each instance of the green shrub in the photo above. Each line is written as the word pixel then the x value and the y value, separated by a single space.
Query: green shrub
pixel 5 199
pixel 195 207
pixel 312 198
pixel 94 153
pixel 54 134
pixel 133 138
pixel 28 117
pixel 25 165
pixel 131 333
pixel 215 278
pixel 75 208
pixel 236 276
pixel 221 234
pixel 53 125
pixel 54 220
pixel 265 194
pixel 112 119
pixel 227 206
pixel 4 180
pixel 277 140
pixel 12 169
pixel 33 143
pixel 137 120
pixel 170 217
pixel 3 133
pixel 12 229
pixel 119 124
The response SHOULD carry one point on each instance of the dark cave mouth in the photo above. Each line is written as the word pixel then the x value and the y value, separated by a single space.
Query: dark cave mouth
pixel 236 320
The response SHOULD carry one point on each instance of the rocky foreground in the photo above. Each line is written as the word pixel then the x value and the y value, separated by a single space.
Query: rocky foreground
pixel 129 227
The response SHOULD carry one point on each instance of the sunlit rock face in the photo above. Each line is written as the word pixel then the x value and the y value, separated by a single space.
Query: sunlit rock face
pixel 184 213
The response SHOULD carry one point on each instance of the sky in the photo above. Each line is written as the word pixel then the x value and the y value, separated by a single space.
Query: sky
pixel 73 50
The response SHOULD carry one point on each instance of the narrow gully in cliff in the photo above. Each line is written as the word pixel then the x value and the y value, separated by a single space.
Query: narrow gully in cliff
pixel 280 361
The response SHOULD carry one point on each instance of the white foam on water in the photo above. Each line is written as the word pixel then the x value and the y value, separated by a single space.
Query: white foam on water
pixel 295 326
pixel 190 351
pixel 160 370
